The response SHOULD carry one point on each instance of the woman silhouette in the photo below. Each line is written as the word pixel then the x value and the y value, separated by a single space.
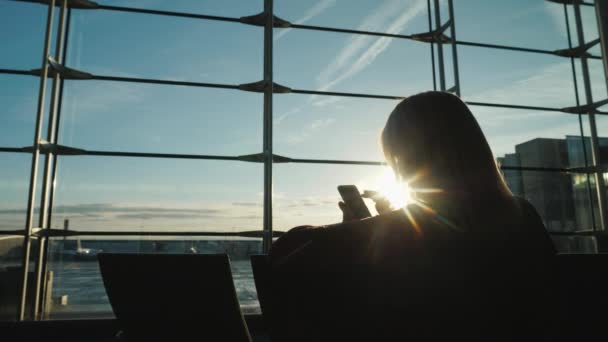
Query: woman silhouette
pixel 465 258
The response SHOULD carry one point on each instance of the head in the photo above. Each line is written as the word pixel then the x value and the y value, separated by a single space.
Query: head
pixel 433 141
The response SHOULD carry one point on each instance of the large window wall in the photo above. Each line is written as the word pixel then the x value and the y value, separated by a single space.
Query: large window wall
pixel 213 126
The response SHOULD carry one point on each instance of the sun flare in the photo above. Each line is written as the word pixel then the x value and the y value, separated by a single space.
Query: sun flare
pixel 397 193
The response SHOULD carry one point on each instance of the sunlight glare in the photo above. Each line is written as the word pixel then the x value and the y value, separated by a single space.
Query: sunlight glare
pixel 397 193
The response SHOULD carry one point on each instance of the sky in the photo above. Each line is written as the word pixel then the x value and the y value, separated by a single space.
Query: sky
pixel 114 193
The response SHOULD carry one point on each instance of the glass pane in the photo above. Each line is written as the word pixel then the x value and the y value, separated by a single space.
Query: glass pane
pixel 101 42
pixel 160 119
pixel 326 127
pixel 561 200
pixel 14 185
pixel 144 194
pixel 234 8
pixel 590 28
pixel 498 76
pixel 306 194
pixel 598 80
pixel 77 288
pixel 399 17
pixel 543 133
pixel 576 244
pixel 535 24
pixel 22 29
pixel 19 98
pixel 352 63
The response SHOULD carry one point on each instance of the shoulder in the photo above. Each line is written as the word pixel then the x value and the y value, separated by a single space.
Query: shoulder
pixel 292 240
pixel 527 211
pixel 532 225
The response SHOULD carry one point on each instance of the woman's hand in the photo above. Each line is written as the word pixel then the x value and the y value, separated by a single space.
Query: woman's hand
pixel 347 213
pixel 382 204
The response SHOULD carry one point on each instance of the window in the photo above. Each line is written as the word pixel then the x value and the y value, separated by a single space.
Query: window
pixel 156 137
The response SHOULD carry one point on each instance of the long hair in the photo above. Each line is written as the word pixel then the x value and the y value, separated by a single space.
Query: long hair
pixel 433 139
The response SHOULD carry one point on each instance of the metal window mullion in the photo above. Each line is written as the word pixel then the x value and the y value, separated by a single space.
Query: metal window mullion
pixel 595 149
pixel 601 14
pixel 454 48
pixel 48 185
pixel 580 120
pixel 34 167
pixel 428 7
pixel 267 126
pixel 439 47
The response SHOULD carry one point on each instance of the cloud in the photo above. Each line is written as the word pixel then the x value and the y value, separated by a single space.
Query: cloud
pixel 99 97
pixel 550 86
pixel 305 132
pixel 247 204
pixel 321 123
pixel 216 216
pixel 361 51
pixel 118 208
pixel 588 19
pixel 294 110
pixel 312 12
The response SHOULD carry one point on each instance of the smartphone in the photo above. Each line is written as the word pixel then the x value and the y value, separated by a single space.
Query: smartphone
pixel 352 198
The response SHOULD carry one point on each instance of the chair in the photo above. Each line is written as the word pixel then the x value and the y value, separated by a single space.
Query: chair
pixel 583 281
pixel 158 297
pixel 260 265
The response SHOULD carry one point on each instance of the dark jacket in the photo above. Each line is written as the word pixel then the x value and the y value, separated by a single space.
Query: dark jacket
pixel 413 275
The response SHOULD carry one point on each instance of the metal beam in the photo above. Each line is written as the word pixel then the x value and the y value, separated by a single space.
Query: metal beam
pixel 41 265
pixel 454 48
pixel 601 11
pixel 439 47
pixel 595 146
pixel 267 127
pixel 35 156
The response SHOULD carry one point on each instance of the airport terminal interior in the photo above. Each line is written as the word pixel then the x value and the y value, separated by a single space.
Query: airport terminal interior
pixel 200 127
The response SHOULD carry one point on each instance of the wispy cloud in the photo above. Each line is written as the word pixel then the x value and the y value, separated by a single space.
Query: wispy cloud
pixel 292 111
pixel 550 86
pixel 312 12
pixel 93 216
pixel 308 131
pixel 361 51
pixel 588 19
pixel 358 53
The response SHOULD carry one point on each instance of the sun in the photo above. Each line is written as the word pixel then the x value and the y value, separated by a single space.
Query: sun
pixel 398 193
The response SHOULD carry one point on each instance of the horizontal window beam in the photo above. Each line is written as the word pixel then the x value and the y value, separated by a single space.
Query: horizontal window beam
pixel 158 155
pixel 169 13
pixel 165 82
pixel 286 24
pixel 277 159
pixel 55 232
pixel 13 150
pixel 286 90
pixel 16 72
pixel 345 94
pixel 248 234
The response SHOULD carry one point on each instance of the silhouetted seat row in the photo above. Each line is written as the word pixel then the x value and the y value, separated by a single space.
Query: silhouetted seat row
pixel 158 297
pixel 578 294
pixel 164 297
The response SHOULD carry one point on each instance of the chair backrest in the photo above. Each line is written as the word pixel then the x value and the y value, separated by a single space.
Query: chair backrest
pixel 583 280
pixel 173 297
pixel 260 265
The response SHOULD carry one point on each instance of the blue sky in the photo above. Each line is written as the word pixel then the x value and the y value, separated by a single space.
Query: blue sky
pixel 150 194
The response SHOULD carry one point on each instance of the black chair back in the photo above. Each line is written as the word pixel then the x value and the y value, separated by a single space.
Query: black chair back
pixel 260 265
pixel 173 297
pixel 583 283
